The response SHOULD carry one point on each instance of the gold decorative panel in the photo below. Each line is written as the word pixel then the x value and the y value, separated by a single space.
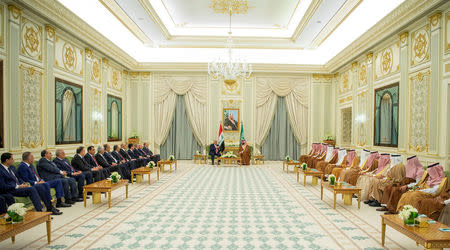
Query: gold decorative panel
pixel 237 6
pixel 420 45
pixel 96 115
pixel 96 69
pixel 387 61
pixel 31 102
pixel 31 39
pixel 419 98
pixel 68 56
pixel 362 75
pixel 345 83
pixel 114 79
pixel 361 118
pixel 447 32
pixel 231 87
pixel 346 116
pixel 2 25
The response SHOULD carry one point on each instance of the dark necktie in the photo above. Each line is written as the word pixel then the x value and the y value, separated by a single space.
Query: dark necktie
pixel 73 170
pixel 14 176
pixel 37 176
pixel 93 158
pixel 121 157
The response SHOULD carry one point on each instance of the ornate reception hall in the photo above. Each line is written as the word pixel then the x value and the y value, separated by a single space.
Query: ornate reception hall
pixel 224 124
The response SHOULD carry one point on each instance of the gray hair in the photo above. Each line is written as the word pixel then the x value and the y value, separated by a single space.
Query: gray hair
pixel 26 155
pixel 59 152
pixel 100 148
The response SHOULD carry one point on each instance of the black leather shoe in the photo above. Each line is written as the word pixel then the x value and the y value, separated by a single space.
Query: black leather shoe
pixel 77 199
pixel 375 204
pixel 70 201
pixel 55 211
pixel 368 201
pixel 63 204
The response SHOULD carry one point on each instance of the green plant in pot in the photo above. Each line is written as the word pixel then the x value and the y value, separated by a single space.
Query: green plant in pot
pixel 115 177
pixel 16 212
pixel 408 214
pixel 171 157
pixel 287 158
pixel 304 166
pixel 151 164
pixel 332 179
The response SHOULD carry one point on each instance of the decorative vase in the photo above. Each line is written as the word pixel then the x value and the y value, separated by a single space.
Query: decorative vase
pixel 410 221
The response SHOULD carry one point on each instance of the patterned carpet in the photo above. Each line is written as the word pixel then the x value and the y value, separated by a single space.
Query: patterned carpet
pixel 203 207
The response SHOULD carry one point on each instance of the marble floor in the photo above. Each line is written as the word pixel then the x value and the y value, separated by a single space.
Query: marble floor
pixel 205 207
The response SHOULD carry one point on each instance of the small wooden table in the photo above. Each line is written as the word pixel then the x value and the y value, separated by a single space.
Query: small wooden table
pixel 290 163
pixel 104 186
pixel 139 172
pixel 429 238
pixel 163 163
pixel 257 159
pixel 310 172
pixel 30 220
pixel 346 190
pixel 229 160
pixel 200 158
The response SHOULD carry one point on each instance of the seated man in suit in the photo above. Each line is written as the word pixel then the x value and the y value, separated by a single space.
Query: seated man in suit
pixel 80 164
pixel 89 157
pixel 147 151
pixel 138 158
pixel 49 171
pixel 5 201
pixel 138 151
pixel 10 183
pixel 214 151
pixel 62 163
pixel 131 164
pixel 101 159
pixel 123 152
pixel 28 173
pixel 125 167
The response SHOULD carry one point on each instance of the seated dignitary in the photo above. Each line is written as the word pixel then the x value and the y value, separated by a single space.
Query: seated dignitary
pixel 80 164
pixel 11 183
pixel 111 159
pixel 117 154
pixel 244 153
pixel 28 173
pixel 214 151
pixel 434 207
pixel 63 164
pixel 138 152
pixel 148 152
pixel 100 157
pixel 49 171
pixel 304 158
pixel 330 158
pixel 364 180
pixel 352 175
pixel 5 201
pixel 141 161
pixel 123 152
pixel 89 157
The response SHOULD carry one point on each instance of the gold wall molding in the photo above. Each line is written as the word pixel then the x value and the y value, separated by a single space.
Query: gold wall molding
pixel 447 31
pixel 15 11
pixel 346 99
pixel 420 47
pixel 403 37
pixel 134 75
pixel 145 75
pixel 31 39
pixel 222 6
pixel 435 18
pixel 355 66
pixel 50 32
pixel 369 57
pixel 2 24
pixel 362 79
pixel 105 61
pixel 88 53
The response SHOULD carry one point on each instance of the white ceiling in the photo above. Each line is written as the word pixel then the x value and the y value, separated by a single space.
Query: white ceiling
pixel 273 31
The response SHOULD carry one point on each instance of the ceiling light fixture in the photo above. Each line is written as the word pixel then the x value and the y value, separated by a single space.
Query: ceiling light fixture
pixel 231 67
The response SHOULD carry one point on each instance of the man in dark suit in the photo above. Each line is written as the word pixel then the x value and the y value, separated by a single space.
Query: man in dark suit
pixel 101 159
pixel 62 163
pixel 80 164
pixel 123 152
pixel 140 160
pixel 10 183
pixel 49 171
pixel 5 201
pixel 89 157
pixel 130 164
pixel 143 156
pixel 28 173
pixel 147 151
pixel 214 151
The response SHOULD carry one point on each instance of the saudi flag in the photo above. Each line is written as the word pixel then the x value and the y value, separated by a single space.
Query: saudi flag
pixel 221 141
pixel 242 133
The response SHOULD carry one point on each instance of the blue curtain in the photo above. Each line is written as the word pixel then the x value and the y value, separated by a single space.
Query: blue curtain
pixel 281 140
pixel 181 141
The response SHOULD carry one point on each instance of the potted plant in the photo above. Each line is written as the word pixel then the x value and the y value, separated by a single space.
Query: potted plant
pixel 16 212
pixel 408 214
pixel 329 139
pixel 287 158
pixel 171 157
pixel 115 177
pixel 304 166
pixel 134 137
pixel 332 179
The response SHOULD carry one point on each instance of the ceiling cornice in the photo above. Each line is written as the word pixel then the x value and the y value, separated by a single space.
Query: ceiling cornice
pixel 155 17
pixel 335 21
pixel 257 67
pixel 305 19
pixel 62 18
pixel 390 24
pixel 117 11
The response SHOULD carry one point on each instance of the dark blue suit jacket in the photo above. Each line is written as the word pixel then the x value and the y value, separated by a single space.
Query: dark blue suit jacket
pixel 48 170
pixel 138 153
pixel 62 166
pixel 90 160
pixel 26 174
pixel 117 156
pixel 212 149
pixel 147 151
pixel 7 182
pixel 125 155
pixel 132 154
pixel 110 159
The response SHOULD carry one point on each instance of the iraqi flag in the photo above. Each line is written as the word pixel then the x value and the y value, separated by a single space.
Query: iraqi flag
pixel 221 140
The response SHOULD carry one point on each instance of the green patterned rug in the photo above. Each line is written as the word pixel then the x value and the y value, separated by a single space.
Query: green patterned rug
pixel 204 207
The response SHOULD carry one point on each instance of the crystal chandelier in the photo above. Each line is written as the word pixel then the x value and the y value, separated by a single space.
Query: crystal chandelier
pixel 231 67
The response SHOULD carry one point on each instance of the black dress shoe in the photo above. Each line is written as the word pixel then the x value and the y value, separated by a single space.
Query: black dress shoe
pixel 368 201
pixel 63 204
pixel 70 201
pixel 55 211
pixel 375 204
pixel 77 199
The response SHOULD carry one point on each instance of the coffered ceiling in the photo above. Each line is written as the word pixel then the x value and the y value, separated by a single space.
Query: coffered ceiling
pixel 265 31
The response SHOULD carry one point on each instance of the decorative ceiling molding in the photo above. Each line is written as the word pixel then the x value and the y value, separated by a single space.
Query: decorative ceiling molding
pixel 305 19
pixel 334 22
pixel 154 16
pixel 115 9
pixel 389 25
pixel 65 19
